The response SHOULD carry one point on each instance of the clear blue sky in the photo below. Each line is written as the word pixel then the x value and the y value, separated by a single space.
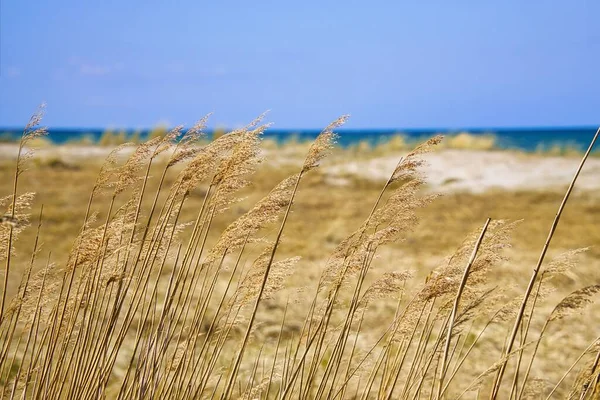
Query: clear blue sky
pixel 390 64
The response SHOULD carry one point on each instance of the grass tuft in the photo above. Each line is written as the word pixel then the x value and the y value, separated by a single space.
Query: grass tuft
pixel 190 276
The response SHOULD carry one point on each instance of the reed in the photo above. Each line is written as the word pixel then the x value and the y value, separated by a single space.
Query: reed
pixel 151 305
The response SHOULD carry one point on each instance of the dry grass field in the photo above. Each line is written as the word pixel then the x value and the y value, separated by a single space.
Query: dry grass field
pixel 175 270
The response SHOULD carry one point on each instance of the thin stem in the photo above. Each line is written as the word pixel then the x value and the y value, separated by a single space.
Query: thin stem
pixel 537 268
pixel 463 283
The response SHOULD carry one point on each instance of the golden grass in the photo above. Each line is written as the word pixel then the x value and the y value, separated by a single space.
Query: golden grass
pixel 178 278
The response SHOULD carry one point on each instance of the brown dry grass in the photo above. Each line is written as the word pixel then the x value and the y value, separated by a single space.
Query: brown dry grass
pixel 405 361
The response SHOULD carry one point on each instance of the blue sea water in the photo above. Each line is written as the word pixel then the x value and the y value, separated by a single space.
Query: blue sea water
pixel 525 139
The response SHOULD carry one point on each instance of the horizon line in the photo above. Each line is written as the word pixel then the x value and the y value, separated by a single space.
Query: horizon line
pixel 473 129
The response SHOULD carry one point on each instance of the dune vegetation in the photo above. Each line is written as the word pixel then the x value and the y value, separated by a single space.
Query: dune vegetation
pixel 181 268
pixel 367 147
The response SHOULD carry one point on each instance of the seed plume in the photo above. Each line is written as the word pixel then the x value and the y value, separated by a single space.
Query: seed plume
pixel 323 144
pixel 575 302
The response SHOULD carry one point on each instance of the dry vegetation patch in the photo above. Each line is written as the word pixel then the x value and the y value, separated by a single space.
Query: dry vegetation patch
pixel 179 270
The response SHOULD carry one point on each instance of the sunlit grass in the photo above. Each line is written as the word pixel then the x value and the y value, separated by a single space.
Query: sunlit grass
pixel 185 281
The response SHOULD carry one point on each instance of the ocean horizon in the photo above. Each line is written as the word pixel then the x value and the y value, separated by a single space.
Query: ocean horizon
pixel 525 139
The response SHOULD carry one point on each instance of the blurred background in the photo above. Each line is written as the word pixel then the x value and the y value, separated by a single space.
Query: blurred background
pixel 513 86
pixel 394 66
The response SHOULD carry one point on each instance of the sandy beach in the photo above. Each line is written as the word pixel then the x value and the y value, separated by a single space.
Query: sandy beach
pixel 447 170
pixel 479 171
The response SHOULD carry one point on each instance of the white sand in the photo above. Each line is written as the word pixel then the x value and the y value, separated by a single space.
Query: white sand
pixel 65 153
pixel 478 171
pixel 447 170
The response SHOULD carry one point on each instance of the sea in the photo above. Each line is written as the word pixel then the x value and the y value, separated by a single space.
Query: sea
pixel 524 139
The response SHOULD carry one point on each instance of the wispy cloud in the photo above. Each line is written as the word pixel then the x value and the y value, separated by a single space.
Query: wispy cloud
pixel 108 101
pixel 12 72
pixel 87 68
pixel 94 70
pixel 179 68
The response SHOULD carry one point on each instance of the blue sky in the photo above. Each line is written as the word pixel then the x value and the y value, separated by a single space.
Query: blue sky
pixel 390 64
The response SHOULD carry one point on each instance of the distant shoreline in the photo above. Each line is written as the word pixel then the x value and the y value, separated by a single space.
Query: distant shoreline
pixel 553 141
pixel 447 169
